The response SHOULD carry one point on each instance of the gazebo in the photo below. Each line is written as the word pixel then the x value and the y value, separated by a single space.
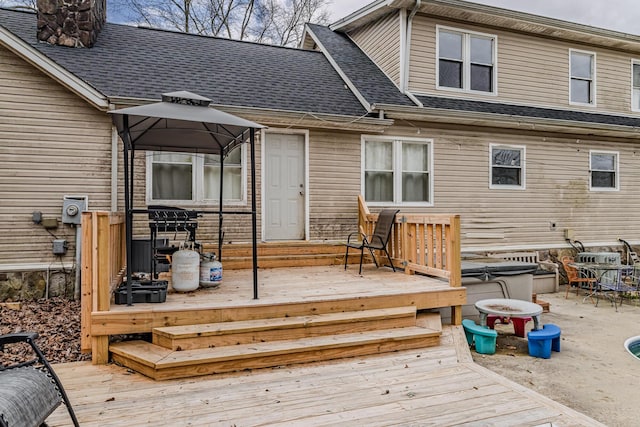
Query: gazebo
pixel 183 122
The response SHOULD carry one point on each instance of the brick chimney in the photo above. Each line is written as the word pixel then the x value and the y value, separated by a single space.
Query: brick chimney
pixel 72 23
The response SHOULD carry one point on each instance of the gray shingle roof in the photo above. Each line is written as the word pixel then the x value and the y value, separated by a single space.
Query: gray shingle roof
pixel 524 111
pixel 370 81
pixel 143 63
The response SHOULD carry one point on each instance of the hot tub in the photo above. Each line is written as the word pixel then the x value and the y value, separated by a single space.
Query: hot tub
pixel 487 278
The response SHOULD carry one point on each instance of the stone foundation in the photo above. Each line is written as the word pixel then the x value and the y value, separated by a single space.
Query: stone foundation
pixel 32 285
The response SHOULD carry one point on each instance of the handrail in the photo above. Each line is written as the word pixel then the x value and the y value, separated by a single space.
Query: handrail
pixel 103 266
pixel 421 243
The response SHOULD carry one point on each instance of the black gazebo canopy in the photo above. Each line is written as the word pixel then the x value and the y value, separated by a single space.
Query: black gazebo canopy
pixel 183 122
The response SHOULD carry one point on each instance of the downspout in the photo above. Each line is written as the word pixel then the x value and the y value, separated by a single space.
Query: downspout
pixel 406 47
pixel 114 169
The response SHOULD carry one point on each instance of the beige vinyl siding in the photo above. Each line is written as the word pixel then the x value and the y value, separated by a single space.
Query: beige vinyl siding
pixel 531 70
pixel 51 144
pixel 334 176
pixel 334 168
pixel 557 190
pixel 381 41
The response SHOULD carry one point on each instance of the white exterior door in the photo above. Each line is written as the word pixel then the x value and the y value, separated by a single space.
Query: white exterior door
pixel 284 187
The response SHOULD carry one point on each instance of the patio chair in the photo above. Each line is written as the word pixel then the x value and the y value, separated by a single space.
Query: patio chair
pixel 29 391
pixel 376 241
pixel 574 277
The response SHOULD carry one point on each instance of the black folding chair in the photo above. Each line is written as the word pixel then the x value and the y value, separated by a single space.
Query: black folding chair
pixel 376 241
pixel 29 391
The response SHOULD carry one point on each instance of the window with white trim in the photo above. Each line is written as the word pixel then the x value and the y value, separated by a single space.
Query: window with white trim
pixel 397 171
pixel 603 168
pixel 635 85
pixel 466 61
pixel 195 178
pixel 582 68
pixel 507 166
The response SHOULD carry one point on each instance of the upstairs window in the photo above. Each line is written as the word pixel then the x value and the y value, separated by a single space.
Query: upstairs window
pixel 466 61
pixel 397 171
pixel 582 77
pixel 603 166
pixel 194 178
pixel 507 167
pixel 635 99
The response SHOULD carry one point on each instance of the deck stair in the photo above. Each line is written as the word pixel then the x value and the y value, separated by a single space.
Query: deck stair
pixel 192 350
pixel 287 254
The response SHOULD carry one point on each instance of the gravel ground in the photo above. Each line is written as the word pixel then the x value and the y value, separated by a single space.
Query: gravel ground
pixel 56 320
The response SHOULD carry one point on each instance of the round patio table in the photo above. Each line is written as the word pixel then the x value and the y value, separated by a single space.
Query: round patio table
pixel 509 308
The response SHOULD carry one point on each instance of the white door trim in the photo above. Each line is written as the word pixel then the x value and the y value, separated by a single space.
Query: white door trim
pixel 263 140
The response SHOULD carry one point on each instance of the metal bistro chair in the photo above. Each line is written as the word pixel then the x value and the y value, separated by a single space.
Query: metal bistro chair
pixel 615 283
pixel 574 278
pixel 29 391
pixel 377 241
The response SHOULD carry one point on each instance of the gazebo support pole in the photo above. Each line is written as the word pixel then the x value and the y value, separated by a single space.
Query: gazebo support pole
pixel 127 207
pixel 252 142
pixel 220 205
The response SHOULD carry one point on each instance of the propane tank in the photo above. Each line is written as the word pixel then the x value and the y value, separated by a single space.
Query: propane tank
pixel 184 270
pixel 210 271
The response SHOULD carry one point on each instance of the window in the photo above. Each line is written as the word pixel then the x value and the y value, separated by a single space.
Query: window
pixel 507 167
pixel 635 99
pixel 603 166
pixel 582 77
pixel 185 177
pixel 466 61
pixel 397 171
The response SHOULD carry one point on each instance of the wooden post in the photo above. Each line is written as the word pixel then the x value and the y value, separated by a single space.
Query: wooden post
pixel 454 262
pixel 86 297
pixel 102 286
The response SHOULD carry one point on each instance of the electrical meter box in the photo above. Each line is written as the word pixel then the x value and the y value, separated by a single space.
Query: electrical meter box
pixel 72 208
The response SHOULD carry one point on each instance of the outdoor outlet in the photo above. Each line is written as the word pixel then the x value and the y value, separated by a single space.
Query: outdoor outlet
pixel 568 234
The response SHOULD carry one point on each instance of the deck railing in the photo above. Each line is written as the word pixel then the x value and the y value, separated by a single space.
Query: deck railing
pixel 103 266
pixel 427 244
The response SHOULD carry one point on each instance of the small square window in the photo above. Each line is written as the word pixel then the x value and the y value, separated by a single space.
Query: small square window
pixel 582 65
pixel 604 170
pixel 507 167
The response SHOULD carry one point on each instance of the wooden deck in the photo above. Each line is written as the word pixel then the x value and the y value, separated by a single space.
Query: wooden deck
pixel 303 314
pixel 435 386
pixel 289 291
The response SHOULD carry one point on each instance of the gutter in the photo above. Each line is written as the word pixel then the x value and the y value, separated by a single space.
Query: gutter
pixel 362 12
pixel 338 119
pixel 405 48
pixel 52 69
pixel 472 118
pixel 488 10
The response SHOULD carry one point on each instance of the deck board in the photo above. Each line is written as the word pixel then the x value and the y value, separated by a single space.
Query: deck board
pixel 435 386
